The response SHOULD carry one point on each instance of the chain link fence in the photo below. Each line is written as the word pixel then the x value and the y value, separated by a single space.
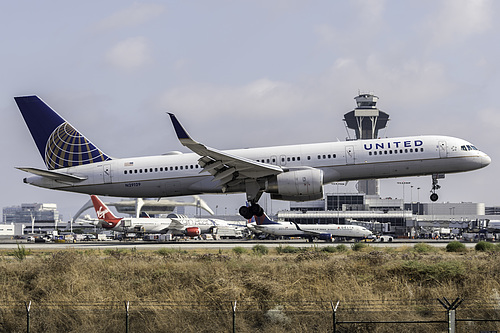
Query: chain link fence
pixel 249 316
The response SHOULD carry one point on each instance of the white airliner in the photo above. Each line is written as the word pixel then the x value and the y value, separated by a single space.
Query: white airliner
pixel 294 172
pixel 321 231
pixel 174 223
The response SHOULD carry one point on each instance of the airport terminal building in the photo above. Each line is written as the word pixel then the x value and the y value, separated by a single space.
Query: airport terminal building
pixel 390 215
pixel 36 217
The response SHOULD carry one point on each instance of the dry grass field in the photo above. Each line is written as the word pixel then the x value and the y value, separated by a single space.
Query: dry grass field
pixel 193 291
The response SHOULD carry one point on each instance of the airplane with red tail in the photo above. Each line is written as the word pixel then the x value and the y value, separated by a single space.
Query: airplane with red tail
pixel 176 224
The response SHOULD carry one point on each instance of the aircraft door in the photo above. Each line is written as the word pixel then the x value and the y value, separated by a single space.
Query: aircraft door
pixel 274 160
pixel 106 174
pixel 349 155
pixel 443 150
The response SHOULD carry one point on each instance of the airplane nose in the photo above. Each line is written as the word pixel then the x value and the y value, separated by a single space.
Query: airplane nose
pixel 485 160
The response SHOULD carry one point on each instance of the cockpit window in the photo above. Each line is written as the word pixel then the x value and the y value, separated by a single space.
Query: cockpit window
pixel 468 147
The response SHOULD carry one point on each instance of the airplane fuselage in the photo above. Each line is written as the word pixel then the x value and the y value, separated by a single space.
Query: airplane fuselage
pixel 290 229
pixel 180 174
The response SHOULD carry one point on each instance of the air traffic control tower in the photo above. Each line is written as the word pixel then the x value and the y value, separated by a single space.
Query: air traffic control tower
pixel 366 120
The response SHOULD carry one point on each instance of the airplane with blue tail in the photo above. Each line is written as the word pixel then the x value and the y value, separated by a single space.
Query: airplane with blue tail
pixel 325 232
pixel 292 173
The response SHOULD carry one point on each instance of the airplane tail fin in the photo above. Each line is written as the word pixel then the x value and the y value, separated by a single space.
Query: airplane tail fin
pixel 59 143
pixel 263 220
pixel 103 213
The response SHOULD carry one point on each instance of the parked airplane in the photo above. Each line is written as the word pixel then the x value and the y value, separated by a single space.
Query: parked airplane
pixel 136 206
pixel 295 172
pixel 109 221
pixel 174 223
pixel 493 226
pixel 321 231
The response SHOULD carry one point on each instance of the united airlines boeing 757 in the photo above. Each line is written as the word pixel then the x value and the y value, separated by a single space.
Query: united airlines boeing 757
pixel 295 172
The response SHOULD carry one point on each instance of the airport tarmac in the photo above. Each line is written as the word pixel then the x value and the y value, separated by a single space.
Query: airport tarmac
pixel 195 244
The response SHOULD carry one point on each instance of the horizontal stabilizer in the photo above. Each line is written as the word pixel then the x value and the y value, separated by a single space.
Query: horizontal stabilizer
pixel 54 175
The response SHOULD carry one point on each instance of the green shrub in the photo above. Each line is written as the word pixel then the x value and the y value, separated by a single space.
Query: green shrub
pixel 290 249
pixel 21 253
pixel 260 249
pixel 423 248
pixel 445 270
pixel 329 249
pixel 239 250
pixel 455 246
pixel 358 246
pixel 342 248
pixel 485 246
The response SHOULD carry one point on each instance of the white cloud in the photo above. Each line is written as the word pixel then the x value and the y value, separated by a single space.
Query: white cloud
pixel 458 20
pixel 260 98
pixel 405 79
pixel 129 54
pixel 134 15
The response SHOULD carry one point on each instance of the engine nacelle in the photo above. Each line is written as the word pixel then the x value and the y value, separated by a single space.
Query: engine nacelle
pixel 326 237
pixel 193 231
pixel 299 185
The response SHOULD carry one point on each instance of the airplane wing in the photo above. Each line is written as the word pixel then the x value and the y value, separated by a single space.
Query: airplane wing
pixel 176 225
pixel 307 232
pixel 229 169
pixel 54 175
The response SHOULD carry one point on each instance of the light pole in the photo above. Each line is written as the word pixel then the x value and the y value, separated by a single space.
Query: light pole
pixel 418 200
pixel 411 199
pixel 404 183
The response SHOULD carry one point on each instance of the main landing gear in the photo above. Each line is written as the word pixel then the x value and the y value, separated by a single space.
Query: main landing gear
pixel 253 209
pixel 435 186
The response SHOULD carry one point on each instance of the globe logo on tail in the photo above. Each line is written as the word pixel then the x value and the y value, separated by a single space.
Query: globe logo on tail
pixel 66 147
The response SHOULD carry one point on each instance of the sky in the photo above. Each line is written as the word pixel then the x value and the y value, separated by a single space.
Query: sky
pixel 249 74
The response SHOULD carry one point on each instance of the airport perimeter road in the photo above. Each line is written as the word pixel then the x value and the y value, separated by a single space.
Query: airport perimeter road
pixel 191 245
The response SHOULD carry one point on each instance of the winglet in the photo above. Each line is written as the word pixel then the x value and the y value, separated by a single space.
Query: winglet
pixel 179 130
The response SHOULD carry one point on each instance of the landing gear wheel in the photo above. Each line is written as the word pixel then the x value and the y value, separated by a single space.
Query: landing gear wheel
pixel 435 186
pixel 249 212
pixel 245 212
pixel 257 210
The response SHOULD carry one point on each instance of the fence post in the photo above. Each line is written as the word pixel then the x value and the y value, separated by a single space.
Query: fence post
pixel 234 317
pixel 28 307
pixel 334 309
pixel 450 308
pixel 127 305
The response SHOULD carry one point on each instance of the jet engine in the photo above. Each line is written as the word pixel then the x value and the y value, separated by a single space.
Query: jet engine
pixel 299 185
pixel 326 237
pixel 193 231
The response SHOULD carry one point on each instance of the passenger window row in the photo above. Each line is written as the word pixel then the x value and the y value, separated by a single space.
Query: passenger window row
pixel 161 169
pixel 269 160
pixel 324 157
pixel 396 151
pixel 293 158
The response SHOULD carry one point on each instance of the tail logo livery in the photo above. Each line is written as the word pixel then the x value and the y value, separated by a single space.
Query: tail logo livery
pixel 104 214
pixel 101 213
pixel 59 143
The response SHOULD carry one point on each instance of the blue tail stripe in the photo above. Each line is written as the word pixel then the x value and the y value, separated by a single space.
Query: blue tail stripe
pixel 36 113
pixel 59 143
